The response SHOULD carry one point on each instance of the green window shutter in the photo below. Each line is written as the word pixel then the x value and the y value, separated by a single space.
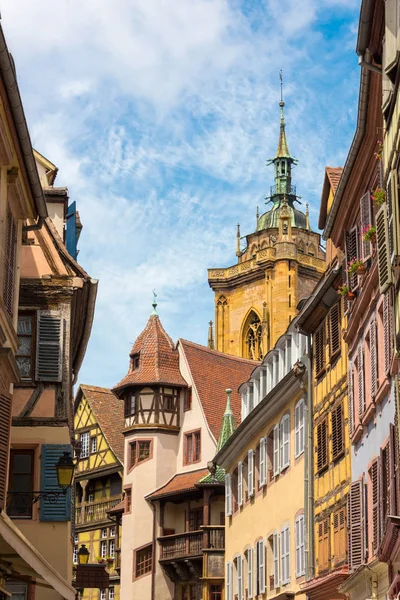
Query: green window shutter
pixel 50 510
pixel 382 237
pixel 49 346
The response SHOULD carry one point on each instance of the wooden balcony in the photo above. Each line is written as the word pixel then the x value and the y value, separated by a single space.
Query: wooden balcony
pixel 192 543
pixel 92 512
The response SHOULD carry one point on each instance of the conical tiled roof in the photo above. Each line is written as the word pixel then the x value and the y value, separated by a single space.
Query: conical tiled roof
pixel 158 359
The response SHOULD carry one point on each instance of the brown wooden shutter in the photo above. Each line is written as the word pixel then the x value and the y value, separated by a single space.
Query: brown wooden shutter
pixel 376 525
pixel 366 216
pixel 360 380
pixel 352 253
pixel 319 337
pixel 391 471
pixel 350 393
pixel 337 431
pixel 322 445
pixel 383 488
pixel 356 525
pixel 395 215
pixel 389 200
pixel 5 427
pixel 323 545
pixel 334 330
pixel 382 238
pixel 10 258
pixel 373 353
pixel 339 536
pixel 387 332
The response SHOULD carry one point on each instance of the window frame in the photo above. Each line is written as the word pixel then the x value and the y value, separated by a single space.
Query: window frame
pixel 135 561
pixel 187 399
pixel 14 452
pixel 32 355
pixel 136 444
pixel 87 436
pixel 93 442
pixel 187 435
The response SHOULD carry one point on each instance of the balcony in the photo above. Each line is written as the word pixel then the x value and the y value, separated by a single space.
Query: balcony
pixel 92 512
pixel 192 543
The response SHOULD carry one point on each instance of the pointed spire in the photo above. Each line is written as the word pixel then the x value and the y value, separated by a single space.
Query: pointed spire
pixel 238 240
pixel 307 218
pixel 283 150
pixel 210 335
pixel 228 422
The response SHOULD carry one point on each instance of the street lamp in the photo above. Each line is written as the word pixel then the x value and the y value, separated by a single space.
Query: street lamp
pixel 65 471
pixel 83 555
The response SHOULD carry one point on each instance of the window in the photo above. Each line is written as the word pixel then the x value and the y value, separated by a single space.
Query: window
pixel 323 545
pixel 20 484
pixel 260 581
pixel 85 439
pixel 75 556
pixel 284 442
pixel 103 594
pixel 239 575
pixel 25 352
pixel 187 402
pixel 135 361
pixel 240 484
pixel 285 555
pixel 103 549
pixel 334 326
pixel 337 431
pixel 132 404
pixel 111 548
pixel 195 519
pixel 143 561
pixel 192 447
pixel 168 402
pixel 339 536
pixel 112 532
pixel 128 500
pixel 319 349
pixel 140 450
pixel 215 592
pixel 300 557
pixel 93 445
pixel 322 445
pixel 299 437
pixel 104 533
pixel 111 594
pixel 276 461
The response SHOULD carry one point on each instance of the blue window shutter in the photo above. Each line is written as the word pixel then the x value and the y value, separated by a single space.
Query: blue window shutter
pixel 71 240
pixel 50 510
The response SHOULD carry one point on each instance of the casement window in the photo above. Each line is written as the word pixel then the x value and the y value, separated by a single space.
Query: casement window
pixel 135 361
pixel 240 484
pixel 373 355
pixel 260 566
pixel 10 262
pixel 187 401
pixel 75 556
pixel 263 462
pixel 337 431
pixel 195 519
pixel 112 532
pixel 93 445
pixel 323 531
pixel 350 395
pixel 140 450
pixel 300 555
pixel 352 253
pixel 128 500
pixel 250 473
pixel 356 524
pixel 49 345
pixel 111 548
pixel 360 380
pixel 228 495
pixel 249 556
pixel 299 431
pixel 104 533
pixel 383 249
pixel 276 559
pixel 25 354
pixel 319 349
pixel 367 219
pixel 20 487
pixel 284 442
pixel 276 462
pixel 239 575
pixel 192 447
pixel 229 582
pixel 285 555
pixel 103 549
pixel 103 594
pixel 143 561
pixel 322 445
pixel 339 536
pixel 111 593
pixel 334 328
pixel 216 592
pixel 387 332
pixel 85 441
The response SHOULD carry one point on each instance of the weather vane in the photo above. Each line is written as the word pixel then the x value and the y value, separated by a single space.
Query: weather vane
pixel 154 302
pixel 281 80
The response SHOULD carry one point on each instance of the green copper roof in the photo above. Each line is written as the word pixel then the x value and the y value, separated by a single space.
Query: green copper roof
pixel 219 477
pixel 228 423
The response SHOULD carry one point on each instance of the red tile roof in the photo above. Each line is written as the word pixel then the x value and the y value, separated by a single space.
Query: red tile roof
pixel 212 373
pixel 158 358
pixel 183 482
pixel 334 175
pixel 109 413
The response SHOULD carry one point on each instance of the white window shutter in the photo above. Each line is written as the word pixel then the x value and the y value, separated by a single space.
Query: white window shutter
pixel 285 441
pixel 287 533
pixel 239 570
pixel 276 450
pixel 250 473
pixel 240 484
pixel 360 380
pixel 285 555
pixel 261 565
pixel 300 558
pixel 250 573
pixel 302 439
pixel 297 429
pixel 228 495
pixel 49 346
pixel 229 590
pixel 262 469
pixel 383 251
pixel 275 544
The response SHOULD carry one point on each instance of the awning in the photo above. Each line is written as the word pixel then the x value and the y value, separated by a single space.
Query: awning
pixel 22 559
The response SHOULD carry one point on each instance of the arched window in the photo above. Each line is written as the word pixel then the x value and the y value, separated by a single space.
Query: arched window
pixel 252 337
pixel 300 247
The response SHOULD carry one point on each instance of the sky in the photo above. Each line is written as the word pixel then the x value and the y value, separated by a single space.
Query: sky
pixel 160 117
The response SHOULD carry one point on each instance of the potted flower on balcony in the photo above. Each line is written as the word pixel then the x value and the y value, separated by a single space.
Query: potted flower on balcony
pixel 378 196
pixel 345 292
pixel 109 560
pixel 101 560
pixel 379 152
pixel 356 266
pixel 369 234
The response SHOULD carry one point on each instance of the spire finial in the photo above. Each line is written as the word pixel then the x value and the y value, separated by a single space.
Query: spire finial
pixel 307 218
pixel 210 335
pixel 154 305
pixel 281 80
pixel 238 240
pixel 257 216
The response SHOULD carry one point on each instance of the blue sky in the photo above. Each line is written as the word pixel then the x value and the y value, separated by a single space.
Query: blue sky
pixel 160 117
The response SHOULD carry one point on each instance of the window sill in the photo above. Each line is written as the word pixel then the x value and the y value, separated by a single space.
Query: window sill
pixel 382 391
pixel 357 434
pixel 338 457
pixel 369 414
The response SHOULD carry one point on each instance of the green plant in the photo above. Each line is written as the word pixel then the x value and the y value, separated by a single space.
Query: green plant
pixel 379 153
pixel 378 196
pixel 343 290
pixel 355 265
pixel 369 233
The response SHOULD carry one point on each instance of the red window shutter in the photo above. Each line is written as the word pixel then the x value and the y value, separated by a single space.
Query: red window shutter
pixel 387 331
pixel 5 426
pixel 352 253
pixel 366 216
pixel 391 473
pixel 350 394
pixel 373 352
pixel 356 525
pixel 376 528
pixel 360 380
pixel 334 330
pixel 383 488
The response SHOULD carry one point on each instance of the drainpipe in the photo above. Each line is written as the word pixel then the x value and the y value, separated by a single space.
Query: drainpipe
pixel 364 61
pixel 153 572
pixel 38 225
pixel 308 468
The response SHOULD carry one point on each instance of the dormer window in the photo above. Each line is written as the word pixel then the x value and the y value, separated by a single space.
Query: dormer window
pixel 135 361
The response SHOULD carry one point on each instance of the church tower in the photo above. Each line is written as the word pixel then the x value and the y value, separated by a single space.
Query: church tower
pixel 256 298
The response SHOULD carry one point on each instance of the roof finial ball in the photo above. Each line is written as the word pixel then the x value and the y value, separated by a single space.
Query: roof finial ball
pixel 154 305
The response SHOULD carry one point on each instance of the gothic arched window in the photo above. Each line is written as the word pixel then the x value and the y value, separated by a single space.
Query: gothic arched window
pixel 252 337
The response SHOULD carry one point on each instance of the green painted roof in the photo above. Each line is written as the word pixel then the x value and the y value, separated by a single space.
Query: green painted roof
pixel 228 423
pixel 219 477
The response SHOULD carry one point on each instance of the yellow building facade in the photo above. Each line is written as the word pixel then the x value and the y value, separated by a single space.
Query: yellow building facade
pixel 256 299
pixel 264 461
pixel 98 424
